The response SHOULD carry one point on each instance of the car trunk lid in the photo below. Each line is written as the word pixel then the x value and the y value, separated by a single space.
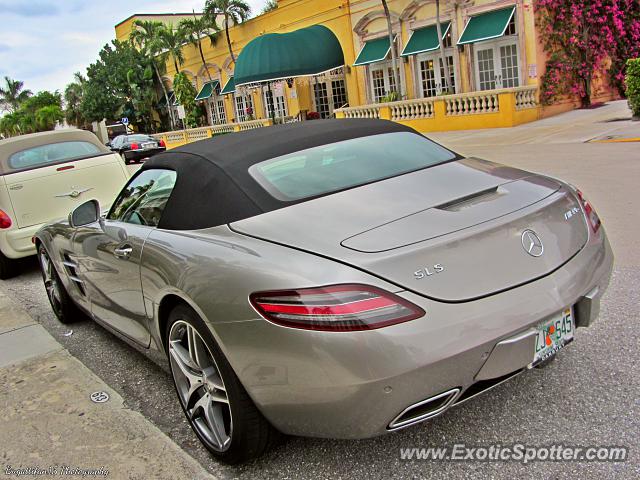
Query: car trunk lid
pixel 453 232
pixel 43 194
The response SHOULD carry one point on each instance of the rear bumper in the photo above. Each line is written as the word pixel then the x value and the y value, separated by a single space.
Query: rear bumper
pixel 137 155
pixel 353 385
pixel 17 243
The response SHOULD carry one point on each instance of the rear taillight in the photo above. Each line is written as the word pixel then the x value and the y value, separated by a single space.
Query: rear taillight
pixel 135 146
pixel 5 220
pixel 592 216
pixel 162 144
pixel 335 308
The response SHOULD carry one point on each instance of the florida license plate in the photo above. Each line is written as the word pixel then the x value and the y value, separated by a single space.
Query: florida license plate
pixel 553 335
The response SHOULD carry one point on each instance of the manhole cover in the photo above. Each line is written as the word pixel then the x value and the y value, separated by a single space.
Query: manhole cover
pixel 99 397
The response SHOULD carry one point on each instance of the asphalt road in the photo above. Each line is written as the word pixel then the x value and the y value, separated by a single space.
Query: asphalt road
pixel 589 396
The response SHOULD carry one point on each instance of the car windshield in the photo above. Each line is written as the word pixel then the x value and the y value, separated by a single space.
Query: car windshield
pixel 52 153
pixel 350 163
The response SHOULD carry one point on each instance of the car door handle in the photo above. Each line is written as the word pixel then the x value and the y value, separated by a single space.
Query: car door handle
pixel 123 252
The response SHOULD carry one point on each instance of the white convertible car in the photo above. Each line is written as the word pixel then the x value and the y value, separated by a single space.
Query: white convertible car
pixel 44 177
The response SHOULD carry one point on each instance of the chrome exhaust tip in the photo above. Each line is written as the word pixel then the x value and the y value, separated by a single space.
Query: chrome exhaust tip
pixel 424 409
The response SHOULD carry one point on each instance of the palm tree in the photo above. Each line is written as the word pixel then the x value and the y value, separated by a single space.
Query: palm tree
pixel 47 117
pixel 9 125
pixel 236 11
pixel 145 35
pixel 394 56
pixel 12 95
pixel 194 30
pixel 171 41
pixel 443 58
pixel 270 6
pixel 73 94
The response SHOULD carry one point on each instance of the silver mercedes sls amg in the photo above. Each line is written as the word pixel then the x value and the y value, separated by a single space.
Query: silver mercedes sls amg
pixel 339 278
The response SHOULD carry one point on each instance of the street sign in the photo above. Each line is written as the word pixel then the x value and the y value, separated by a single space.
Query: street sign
pixel 181 113
pixel 124 121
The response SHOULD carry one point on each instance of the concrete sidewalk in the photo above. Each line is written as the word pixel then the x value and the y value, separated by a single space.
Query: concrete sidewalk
pixel 49 427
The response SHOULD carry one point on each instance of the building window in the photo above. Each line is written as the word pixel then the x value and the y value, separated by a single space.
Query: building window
pixel 329 95
pixel 428 77
pixel 379 88
pixel 218 111
pixel 511 27
pixel 339 92
pixel 382 80
pixel 431 79
pixel 322 99
pixel 497 62
pixel 509 66
pixel 279 109
pixel 244 104
pixel 447 40
pixel 222 112
pixel 486 69
pixel 452 73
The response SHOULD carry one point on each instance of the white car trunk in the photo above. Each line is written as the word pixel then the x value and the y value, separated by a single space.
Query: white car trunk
pixel 47 193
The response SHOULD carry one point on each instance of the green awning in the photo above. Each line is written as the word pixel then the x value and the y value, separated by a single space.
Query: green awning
pixel 425 39
pixel 229 87
pixel 373 51
pixel 207 90
pixel 274 56
pixel 487 25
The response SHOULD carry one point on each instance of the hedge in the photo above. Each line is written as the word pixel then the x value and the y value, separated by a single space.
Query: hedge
pixel 632 81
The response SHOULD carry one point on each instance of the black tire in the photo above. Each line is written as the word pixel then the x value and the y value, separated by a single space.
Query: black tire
pixel 251 434
pixel 8 267
pixel 61 303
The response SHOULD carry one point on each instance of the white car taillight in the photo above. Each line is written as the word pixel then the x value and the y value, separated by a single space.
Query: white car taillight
pixel 335 308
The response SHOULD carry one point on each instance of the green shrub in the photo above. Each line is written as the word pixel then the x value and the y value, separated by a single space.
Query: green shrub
pixel 632 81
pixel 390 97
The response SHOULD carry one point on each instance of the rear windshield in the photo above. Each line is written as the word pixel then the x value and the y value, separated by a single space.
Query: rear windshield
pixel 52 153
pixel 350 163
pixel 140 138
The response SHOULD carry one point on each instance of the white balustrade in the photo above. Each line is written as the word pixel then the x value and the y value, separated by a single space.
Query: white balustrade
pixel 252 124
pixel 526 97
pixel 219 129
pixel 365 111
pixel 472 103
pixel 412 109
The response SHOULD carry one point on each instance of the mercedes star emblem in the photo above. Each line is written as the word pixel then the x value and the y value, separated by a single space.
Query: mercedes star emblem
pixel 531 243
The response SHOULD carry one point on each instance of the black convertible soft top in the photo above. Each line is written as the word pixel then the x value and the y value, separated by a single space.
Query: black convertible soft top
pixel 214 186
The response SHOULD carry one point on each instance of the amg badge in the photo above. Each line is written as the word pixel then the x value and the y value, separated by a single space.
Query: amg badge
pixel 428 271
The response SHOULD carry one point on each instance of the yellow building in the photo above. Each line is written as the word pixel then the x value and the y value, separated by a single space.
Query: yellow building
pixel 491 47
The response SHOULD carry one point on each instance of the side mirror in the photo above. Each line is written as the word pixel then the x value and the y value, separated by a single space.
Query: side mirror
pixel 85 213
pixel 108 144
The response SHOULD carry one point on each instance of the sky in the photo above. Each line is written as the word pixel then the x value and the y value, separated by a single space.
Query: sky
pixel 43 42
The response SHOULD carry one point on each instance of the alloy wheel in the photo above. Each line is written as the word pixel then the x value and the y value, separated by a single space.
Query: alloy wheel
pixel 51 282
pixel 200 387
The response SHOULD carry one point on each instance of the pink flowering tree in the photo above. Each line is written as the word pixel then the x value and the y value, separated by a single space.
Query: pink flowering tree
pixel 578 37
pixel 627 44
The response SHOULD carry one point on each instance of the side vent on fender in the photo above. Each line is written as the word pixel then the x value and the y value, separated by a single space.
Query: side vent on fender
pixel 71 270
